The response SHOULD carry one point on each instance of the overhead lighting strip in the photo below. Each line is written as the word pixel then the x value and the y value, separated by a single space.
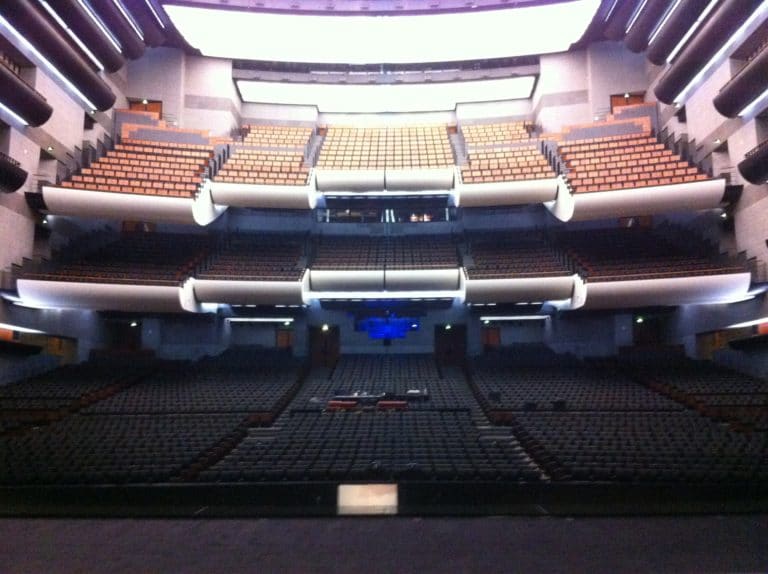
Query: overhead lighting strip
pixel 16 117
pixel 154 13
pixel 100 25
pixel 635 16
pixel 129 18
pixel 695 26
pixel 757 18
pixel 664 21
pixel 72 35
pixel 42 61
pixel 755 106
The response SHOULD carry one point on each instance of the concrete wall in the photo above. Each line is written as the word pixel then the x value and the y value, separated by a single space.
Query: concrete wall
pixel 159 75
pixel 211 100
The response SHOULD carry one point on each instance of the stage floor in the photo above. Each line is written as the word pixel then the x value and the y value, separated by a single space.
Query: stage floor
pixel 705 543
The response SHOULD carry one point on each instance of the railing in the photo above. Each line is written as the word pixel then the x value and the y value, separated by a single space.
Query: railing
pixel 9 159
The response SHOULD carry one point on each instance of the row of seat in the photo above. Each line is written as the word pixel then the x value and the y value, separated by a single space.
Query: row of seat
pixel 277 136
pixel 476 135
pixel 597 166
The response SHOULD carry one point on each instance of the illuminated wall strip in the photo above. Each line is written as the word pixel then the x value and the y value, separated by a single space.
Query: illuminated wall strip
pixel 756 19
pixel 154 13
pixel 748 323
pixel 610 10
pixel 514 318
pixel 19 329
pixel 755 106
pixel 119 6
pixel 16 117
pixel 72 35
pixel 635 16
pixel 41 60
pixel 100 25
pixel 684 40
pixel 664 21
pixel 260 320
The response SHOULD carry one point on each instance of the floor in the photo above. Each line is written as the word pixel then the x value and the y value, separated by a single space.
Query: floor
pixel 696 544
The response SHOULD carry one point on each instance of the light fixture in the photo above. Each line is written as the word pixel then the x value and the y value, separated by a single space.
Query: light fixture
pixel 448 327
pixel 324 328
pixel 664 21
pixel 287 323
pixel 756 19
pixel 507 32
pixel 18 328
pixel 639 320
pixel 42 61
pixel 154 13
pixel 260 320
pixel 635 16
pixel 134 324
pixel 718 141
pixel 414 325
pixel 755 105
pixel 45 221
pixel 14 116
pixel 691 31
pixel 71 34
pixel 129 19
pixel 144 101
pixel 486 322
pixel 748 323
pixel 100 25
pixel 380 98
pixel 515 318
pixel 724 215
pixel 49 148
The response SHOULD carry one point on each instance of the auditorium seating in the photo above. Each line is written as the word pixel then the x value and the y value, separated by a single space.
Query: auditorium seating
pixel 422 252
pixel 272 136
pixel 248 415
pixel 434 438
pixel 248 381
pixel 137 258
pixel 518 163
pixel 502 152
pixel 633 253
pixel 640 447
pixel 714 391
pixel 386 147
pixel 492 134
pixel 390 374
pixel 140 420
pixel 591 423
pixel 254 258
pixel 269 155
pixel 623 160
pixel 507 256
pixel 146 167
